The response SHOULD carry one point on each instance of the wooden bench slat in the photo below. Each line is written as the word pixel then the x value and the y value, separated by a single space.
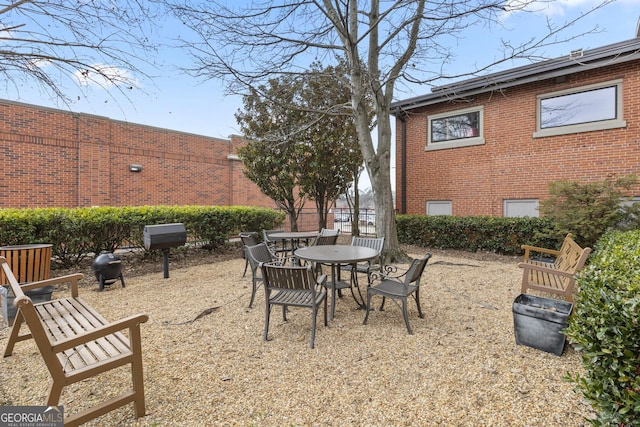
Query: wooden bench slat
pixel 55 333
pixel 86 320
pixel 61 318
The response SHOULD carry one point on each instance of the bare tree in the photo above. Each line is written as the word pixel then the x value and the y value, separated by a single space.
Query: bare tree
pixel 384 43
pixel 56 42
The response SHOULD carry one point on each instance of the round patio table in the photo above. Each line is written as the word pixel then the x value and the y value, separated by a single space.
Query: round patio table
pixel 335 255
pixel 294 237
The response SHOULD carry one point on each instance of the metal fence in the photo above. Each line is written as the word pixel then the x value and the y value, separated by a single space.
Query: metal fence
pixel 338 219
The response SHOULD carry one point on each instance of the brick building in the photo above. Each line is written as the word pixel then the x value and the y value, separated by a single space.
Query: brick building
pixel 491 145
pixel 55 158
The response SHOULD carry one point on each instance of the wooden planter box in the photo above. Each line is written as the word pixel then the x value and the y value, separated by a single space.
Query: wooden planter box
pixel 538 322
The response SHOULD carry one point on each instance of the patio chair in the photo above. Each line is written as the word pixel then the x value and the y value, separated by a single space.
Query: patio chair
pixel 277 247
pixel 248 238
pixel 290 286
pixel 324 240
pixel 399 288
pixel 329 232
pixel 255 255
pixel 376 243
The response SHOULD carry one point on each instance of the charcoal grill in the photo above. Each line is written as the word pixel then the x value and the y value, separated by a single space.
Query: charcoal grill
pixel 164 236
pixel 108 269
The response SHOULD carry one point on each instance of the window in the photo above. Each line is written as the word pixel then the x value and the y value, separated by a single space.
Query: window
pixel 594 107
pixel 439 207
pixel 460 128
pixel 520 207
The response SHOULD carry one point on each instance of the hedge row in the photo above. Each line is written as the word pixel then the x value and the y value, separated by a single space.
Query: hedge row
pixel 478 233
pixel 75 233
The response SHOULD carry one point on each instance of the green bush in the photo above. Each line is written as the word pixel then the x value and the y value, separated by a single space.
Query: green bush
pixel 479 233
pixel 605 328
pixel 77 233
pixel 587 210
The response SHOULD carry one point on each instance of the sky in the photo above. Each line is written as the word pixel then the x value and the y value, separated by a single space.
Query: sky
pixel 176 101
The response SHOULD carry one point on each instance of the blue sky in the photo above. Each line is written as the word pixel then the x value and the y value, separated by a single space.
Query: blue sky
pixel 176 101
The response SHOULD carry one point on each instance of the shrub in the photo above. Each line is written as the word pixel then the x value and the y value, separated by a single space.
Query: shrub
pixel 77 233
pixel 479 233
pixel 605 328
pixel 588 210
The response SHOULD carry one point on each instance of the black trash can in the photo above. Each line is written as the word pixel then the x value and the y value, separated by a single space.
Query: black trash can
pixel 538 322
pixel 37 295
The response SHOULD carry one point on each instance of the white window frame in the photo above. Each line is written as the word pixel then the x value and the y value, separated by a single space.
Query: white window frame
pixel 530 204
pixel 445 203
pixel 456 143
pixel 618 122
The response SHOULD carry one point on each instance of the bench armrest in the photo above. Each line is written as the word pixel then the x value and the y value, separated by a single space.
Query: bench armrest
pixel 528 249
pixel 544 269
pixel 126 323
pixel 73 279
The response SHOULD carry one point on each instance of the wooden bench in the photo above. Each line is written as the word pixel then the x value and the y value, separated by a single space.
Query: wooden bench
pixel 77 343
pixel 555 277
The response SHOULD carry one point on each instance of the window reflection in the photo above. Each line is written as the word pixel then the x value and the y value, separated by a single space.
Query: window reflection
pixel 456 127
pixel 576 108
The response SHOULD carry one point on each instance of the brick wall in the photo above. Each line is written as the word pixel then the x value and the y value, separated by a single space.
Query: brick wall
pixel 55 158
pixel 512 164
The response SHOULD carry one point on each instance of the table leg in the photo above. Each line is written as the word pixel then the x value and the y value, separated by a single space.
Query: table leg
pixel 334 290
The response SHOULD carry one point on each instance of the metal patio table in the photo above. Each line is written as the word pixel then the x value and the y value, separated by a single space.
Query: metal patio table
pixel 335 255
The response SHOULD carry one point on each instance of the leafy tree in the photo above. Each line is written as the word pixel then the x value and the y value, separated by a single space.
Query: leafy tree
pixel 53 41
pixel 331 151
pixel 383 43
pixel 273 158
pixel 297 150
pixel 589 209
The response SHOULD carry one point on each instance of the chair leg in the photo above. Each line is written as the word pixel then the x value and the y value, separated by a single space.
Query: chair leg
pixel 382 305
pixel 266 320
pixel 314 315
pixel 325 311
pixel 284 313
pixel 55 391
pixel 417 298
pixel 246 265
pixel 15 334
pixel 406 315
pixel 254 288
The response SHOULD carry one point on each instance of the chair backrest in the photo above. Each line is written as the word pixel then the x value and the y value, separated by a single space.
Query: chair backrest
pixel 325 240
pixel 259 253
pixel 569 256
pixel 267 233
pixel 329 232
pixel 415 271
pixel 288 277
pixel 376 243
pixel 249 238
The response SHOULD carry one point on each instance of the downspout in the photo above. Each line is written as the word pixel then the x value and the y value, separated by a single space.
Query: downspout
pixel 403 162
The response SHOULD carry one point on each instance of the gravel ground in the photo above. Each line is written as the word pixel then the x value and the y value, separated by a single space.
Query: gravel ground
pixel 461 367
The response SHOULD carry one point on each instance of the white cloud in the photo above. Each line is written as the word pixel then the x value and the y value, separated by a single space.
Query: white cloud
pixel 555 7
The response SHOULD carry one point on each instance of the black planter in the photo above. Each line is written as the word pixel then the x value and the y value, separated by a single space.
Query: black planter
pixel 37 295
pixel 538 322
